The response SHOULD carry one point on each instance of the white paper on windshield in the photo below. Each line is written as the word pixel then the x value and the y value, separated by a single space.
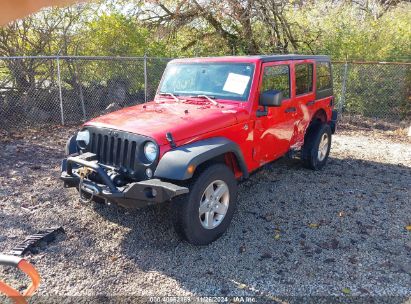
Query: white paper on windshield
pixel 236 83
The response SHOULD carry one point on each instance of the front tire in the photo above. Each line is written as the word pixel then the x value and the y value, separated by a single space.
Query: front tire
pixel 317 145
pixel 204 214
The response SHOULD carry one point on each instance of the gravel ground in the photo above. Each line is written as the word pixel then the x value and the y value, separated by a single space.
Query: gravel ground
pixel 338 232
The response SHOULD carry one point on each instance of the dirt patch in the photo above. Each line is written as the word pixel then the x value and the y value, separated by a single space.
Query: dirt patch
pixel 340 231
pixel 395 131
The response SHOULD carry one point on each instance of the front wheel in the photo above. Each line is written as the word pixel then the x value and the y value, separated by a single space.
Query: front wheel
pixel 317 145
pixel 204 214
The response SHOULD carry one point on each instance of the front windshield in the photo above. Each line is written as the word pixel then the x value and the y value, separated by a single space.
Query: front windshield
pixel 230 81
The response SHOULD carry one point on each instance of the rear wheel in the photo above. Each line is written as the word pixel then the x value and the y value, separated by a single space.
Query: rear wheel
pixel 317 145
pixel 204 214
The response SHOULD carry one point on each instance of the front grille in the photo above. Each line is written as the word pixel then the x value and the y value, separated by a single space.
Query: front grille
pixel 119 149
pixel 115 151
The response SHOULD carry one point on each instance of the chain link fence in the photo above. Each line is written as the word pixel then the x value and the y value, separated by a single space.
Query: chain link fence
pixel 380 91
pixel 69 90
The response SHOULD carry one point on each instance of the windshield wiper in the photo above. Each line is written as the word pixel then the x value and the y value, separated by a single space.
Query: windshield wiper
pixel 209 98
pixel 170 94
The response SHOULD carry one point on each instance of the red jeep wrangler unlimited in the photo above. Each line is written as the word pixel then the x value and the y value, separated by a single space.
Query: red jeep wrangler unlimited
pixel 212 123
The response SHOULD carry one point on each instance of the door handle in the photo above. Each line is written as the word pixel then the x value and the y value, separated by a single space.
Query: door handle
pixel 290 110
pixel 310 103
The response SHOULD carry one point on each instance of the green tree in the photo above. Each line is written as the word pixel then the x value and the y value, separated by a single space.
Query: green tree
pixel 118 35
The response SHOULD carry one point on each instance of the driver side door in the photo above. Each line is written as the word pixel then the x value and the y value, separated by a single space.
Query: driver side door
pixel 275 130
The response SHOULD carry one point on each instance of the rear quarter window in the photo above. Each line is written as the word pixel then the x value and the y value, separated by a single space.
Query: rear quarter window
pixel 323 76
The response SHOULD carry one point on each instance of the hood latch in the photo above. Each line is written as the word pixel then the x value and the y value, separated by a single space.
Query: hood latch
pixel 170 139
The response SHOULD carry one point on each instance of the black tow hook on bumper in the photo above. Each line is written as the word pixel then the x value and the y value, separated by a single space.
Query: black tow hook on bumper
pixel 133 195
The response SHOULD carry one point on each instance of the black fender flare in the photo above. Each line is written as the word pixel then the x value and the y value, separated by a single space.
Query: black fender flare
pixel 333 122
pixel 174 163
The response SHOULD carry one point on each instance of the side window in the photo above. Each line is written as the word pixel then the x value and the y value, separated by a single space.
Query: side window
pixel 323 75
pixel 277 78
pixel 303 78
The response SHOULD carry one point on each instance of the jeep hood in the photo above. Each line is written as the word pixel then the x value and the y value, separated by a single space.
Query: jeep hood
pixel 183 119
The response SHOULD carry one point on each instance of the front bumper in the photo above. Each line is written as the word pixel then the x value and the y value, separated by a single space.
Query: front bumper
pixel 133 195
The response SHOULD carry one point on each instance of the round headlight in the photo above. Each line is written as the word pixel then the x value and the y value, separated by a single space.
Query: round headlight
pixel 83 139
pixel 150 151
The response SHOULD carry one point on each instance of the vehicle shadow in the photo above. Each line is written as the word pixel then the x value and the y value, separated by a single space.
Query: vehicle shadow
pixel 296 232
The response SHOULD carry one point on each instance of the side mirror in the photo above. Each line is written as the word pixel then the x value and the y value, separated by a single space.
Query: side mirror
pixel 272 98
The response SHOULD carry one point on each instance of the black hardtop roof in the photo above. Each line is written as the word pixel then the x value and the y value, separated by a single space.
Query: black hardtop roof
pixel 252 58
pixel 267 58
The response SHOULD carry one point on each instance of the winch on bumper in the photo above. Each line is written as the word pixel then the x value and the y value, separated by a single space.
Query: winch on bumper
pixel 133 195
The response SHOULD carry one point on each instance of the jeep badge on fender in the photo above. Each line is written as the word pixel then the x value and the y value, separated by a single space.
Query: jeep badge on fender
pixel 213 121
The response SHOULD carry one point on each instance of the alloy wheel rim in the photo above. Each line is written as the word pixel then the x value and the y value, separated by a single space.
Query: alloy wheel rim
pixel 323 147
pixel 214 204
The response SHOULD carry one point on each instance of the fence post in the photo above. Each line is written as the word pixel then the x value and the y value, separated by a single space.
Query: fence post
pixel 344 86
pixel 60 93
pixel 83 107
pixel 80 88
pixel 145 77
